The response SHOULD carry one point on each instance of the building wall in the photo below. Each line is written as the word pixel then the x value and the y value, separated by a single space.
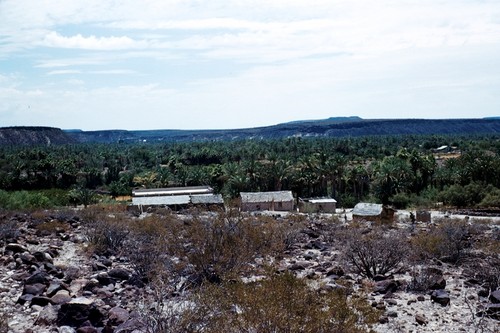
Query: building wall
pixel 273 206
pixel 324 207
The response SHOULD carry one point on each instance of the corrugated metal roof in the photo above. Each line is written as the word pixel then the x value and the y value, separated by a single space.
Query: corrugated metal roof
pixel 277 196
pixel 319 200
pixel 207 199
pixel 172 191
pixel 170 200
pixel 367 209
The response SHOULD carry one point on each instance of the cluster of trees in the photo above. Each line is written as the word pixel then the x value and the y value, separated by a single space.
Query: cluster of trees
pixel 398 169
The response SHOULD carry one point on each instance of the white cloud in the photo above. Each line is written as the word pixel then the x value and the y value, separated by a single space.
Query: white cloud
pixel 114 71
pixel 64 72
pixel 54 39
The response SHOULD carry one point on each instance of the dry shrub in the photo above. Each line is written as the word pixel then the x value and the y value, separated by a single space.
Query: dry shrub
pixel 449 241
pixel 375 253
pixel 9 229
pixel 40 215
pixel 52 227
pixel 280 303
pixel 223 245
pixel 148 246
pixel 486 271
pixel 105 232
pixel 423 279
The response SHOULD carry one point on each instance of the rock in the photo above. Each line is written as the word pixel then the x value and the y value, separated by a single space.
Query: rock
pixel 24 298
pixel 78 311
pixel 43 257
pixel 129 326
pixel 71 273
pixel 299 265
pixel 440 297
pixel 391 302
pixel 379 277
pixel 28 259
pixel 337 271
pixel 66 329
pixel 386 286
pixel 87 329
pixel 118 316
pixel 104 279
pixel 40 277
pixel 119 274
pixel 16 248
pixel 53 288
pixel 438 282
pixel 392 314
pixel 421 298
pixel 106 262
pixel 47 317
pixel 495 297
pixel 383 320
pixel 40 301
pixel 420 319
pixel 34 289
pixel 61 297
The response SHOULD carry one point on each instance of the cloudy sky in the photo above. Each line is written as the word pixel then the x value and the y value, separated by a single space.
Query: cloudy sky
pixel 192 64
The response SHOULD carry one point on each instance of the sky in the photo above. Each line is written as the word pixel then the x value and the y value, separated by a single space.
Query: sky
pixel 216 64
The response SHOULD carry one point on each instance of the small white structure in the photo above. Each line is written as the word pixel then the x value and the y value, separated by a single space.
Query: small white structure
pixel 317 205
pixel 274 201
pixel 364 211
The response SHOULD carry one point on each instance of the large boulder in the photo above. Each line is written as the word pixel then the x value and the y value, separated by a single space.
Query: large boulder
pixel 440 297
pixel 118 316
pixel 387 286
pixel 47 317
pixel 16 248
pixel 39 277
pixel 36 289
pixel 119 274
pixel 61 297
pixel 78 311
pixel 495 297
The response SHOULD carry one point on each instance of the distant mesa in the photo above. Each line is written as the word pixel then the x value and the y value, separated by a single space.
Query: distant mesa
pixel 330 127
pixel 33 135
pixel 330 120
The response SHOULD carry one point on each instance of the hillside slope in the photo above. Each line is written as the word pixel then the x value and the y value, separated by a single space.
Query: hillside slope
pixel 314 128
pixel 25 135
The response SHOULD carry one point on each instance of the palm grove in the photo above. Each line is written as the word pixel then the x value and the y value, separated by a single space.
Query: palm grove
pixel 398 170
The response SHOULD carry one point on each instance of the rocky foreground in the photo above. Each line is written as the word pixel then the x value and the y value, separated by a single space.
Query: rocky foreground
pixel 50 282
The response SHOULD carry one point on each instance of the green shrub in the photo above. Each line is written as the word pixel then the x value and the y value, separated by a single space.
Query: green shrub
pixel 24 200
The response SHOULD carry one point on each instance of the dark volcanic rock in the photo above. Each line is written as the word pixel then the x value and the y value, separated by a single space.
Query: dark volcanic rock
pixel 40 277
pixel 34 289
pixel 119 274
pixel 78 311
pixel 16 248
pixel 40 300
pixel 118 316
pixel 421 320
pixel 47 317
pixel 495 297
pixel 387 286
pixel 440 297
